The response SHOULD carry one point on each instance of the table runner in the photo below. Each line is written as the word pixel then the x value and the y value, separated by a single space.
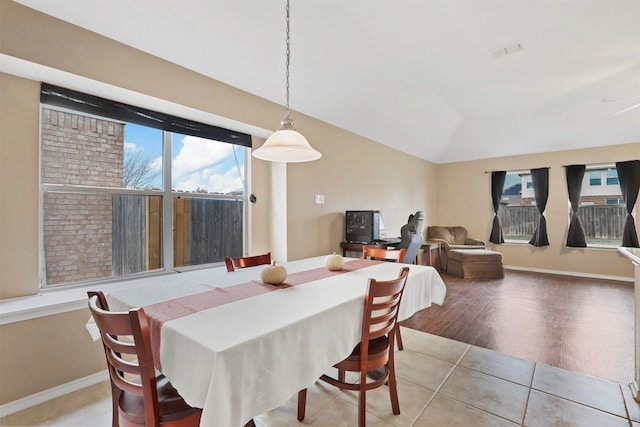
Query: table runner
pixel 159 313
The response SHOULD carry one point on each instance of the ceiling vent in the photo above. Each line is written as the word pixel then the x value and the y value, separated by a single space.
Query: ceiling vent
pixel 501 51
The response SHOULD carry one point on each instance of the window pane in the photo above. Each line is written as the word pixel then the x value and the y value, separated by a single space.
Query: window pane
pixel 205 166
pixel 601 217
pixel 518 213
pixel 595 177
pixel 98 236
pixel 142 167
pixel 612 177
pixel 206 230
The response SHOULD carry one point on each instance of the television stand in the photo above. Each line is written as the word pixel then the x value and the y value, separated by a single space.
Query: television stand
pixel 357 247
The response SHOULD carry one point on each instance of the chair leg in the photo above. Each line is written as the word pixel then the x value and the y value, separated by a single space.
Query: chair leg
pixel 302 403
pixel 115 407
pixel 362 401
pixel 393 385
pixel 399 338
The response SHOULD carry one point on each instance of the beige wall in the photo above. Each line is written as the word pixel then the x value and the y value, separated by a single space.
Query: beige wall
pixel 43 353
pixel 19 106
pixel 464 198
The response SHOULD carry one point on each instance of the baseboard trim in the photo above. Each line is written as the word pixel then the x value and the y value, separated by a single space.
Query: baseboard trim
pixel 52 393
pixel 571 273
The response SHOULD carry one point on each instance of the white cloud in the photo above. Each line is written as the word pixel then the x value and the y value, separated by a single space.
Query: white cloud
pixel 199 164
pixel 156 164
pixel 130 147
pixel 221 182
pixel 197 153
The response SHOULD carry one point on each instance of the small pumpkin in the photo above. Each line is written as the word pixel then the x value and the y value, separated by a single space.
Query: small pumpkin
pixel 273 274
pixel 334 262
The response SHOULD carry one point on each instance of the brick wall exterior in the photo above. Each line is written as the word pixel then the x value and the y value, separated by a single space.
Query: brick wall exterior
pixel 598 200
pixel 79 150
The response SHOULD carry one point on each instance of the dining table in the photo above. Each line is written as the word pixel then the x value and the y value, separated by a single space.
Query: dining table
pixel 238 347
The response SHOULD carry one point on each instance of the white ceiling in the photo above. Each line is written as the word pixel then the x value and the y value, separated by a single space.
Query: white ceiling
pixel 416 75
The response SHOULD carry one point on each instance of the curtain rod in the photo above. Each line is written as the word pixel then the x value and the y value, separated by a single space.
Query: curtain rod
pixel 519 170
pixel 594 165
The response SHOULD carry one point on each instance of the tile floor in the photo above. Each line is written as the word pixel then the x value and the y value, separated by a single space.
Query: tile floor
pixel 441 382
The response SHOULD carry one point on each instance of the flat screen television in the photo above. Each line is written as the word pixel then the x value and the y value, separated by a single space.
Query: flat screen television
pixel 362 226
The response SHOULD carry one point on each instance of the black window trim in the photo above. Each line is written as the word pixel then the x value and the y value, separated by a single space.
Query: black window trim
pixel 97 106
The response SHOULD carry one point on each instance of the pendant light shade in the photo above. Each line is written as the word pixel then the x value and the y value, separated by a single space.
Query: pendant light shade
pixel 287 145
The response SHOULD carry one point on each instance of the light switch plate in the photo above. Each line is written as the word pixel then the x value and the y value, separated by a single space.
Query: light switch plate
pixel 319 199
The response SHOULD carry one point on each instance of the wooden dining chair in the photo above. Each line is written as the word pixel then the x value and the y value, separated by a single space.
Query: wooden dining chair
pixel 393 255
pixel 247 261
pixel 141 396
pixel 378 253
pixel 375 350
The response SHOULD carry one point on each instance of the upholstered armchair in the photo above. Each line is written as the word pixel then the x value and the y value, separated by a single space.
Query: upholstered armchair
pixel 452 238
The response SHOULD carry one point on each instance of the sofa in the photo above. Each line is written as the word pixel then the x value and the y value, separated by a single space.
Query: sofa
pixel 452 238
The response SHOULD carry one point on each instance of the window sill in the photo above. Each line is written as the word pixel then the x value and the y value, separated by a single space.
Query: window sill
pixel 47 303
pixel 526 243
pixel 56 301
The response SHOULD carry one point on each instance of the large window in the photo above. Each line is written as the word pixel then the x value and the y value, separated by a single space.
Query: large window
pixel 518 212
pixel 602 210
pixel 122 198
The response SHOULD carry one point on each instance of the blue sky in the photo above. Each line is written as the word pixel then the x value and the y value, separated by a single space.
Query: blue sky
pixel 196 162
pixel 511 179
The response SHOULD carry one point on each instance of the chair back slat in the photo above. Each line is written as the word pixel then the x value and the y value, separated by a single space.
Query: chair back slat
pixel 378 253
pixel 249 261
pixel 117 345
pixel 381 308
pixel 382 316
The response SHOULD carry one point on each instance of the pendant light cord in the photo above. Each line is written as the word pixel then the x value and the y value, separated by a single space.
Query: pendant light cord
pixel 288 54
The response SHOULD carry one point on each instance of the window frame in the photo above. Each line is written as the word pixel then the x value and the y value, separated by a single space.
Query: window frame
pixel 602 187
pixel 524 188
pixel 609 179
pixel 165 193
pixel 593 180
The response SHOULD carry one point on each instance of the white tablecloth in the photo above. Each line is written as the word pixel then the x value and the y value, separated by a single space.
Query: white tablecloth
pixel 243 358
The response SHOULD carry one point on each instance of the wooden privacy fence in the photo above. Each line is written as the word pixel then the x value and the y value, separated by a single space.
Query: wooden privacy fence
pixel 518 220
pixel 599 221
pixel 603 222
pixel 205 231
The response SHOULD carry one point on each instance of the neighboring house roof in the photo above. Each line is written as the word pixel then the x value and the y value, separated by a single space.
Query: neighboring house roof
pixel 514 190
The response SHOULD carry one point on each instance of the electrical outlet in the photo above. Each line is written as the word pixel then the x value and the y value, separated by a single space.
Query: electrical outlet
pixel 319 199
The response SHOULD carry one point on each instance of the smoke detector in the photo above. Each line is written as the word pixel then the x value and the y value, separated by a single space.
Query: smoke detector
pixel 498 52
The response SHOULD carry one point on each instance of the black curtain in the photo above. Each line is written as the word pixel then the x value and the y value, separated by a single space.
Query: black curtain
pixel 576 237
pixel 540 179
pixel 497 184
pixel 629 179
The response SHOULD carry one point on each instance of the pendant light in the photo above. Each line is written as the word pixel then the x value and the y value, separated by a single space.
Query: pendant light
pixel 287 145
